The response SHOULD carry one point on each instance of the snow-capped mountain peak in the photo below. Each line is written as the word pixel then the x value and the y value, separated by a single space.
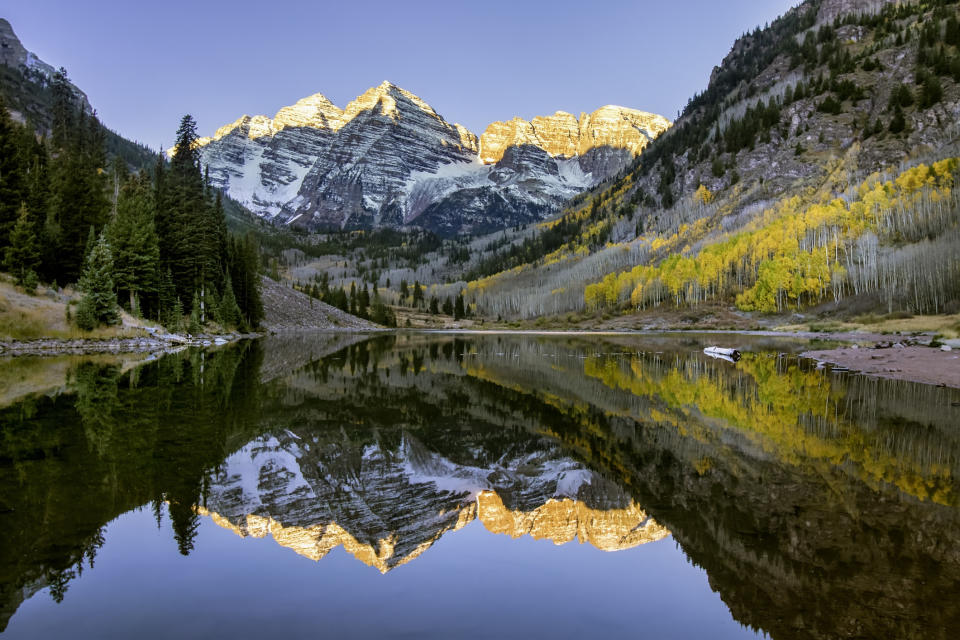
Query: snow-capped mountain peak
pixel 388 158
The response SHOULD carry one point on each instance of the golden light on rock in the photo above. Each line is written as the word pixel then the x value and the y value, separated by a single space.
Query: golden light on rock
pixel 317 541
pixel 559 520
pixel 563 135
pixel 564 520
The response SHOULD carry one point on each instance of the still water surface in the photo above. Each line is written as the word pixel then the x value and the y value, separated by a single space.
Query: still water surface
pixel 451 486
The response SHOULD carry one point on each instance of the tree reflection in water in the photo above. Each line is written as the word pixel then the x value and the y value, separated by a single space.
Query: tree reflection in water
pixel 820 505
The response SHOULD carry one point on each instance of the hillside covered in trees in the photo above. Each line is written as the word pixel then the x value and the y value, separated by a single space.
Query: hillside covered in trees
pixel 154 240
pixel 816 167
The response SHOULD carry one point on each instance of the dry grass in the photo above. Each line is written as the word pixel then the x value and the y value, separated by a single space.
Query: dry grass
pixel 425 320
pixel 947 326
pixel 44 315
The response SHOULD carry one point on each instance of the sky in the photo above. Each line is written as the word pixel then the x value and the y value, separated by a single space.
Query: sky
pixel 145 64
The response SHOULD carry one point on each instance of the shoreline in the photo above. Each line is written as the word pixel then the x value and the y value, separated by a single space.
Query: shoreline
pixel 911 363
pixel 117 345
pixel 914 361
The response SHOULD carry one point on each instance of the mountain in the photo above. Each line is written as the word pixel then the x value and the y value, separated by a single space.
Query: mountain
pixel 389 159
pixel 387 505
pixel 14 55
pixel 837 102
pixel 25 84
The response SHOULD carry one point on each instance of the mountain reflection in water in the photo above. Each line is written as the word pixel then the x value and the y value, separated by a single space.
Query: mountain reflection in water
pixel 820 505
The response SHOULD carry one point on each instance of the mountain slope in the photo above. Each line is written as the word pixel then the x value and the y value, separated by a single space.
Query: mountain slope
pixel 286 309
pixel 25 84
pixel 389 159
pixel 831 100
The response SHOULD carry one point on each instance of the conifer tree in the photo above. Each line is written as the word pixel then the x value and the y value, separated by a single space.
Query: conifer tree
pixel 458 309
pixel 175 322
pixel 196 323
pixel 99 303
pixel 38 182
pixel 417 294
pixel 229 311
pixel 133 240
pixel 11 175
pixel 363 302
pixel 189 231
pixel 23 255
pixel 166 297
pixel 244 262
pixel 78 196
pixel 898 123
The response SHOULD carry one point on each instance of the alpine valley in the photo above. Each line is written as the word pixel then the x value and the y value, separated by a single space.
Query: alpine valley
pixel 389 159
pixel 358 371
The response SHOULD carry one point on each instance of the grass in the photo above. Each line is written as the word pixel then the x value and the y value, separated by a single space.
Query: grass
pixel 44 315
pixel 828 327
pixel 890 324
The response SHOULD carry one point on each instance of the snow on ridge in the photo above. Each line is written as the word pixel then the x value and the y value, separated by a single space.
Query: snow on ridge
pixel 447 475
pixel 572 173
pixel 245 467
pixel 244 182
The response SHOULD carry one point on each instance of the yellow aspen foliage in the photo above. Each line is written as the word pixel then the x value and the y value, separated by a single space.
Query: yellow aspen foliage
pixel 702 196
pixel 790 254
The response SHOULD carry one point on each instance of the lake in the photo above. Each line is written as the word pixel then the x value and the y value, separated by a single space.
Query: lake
pixel 474 486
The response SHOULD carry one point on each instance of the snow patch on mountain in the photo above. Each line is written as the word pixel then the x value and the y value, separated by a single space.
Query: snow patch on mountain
pixel 388 157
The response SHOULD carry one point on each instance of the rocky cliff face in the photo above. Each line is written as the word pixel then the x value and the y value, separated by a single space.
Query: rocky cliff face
pixel 562 135
pixel 389 159
pixel 829 10
pixel 14 54
pixel 387 505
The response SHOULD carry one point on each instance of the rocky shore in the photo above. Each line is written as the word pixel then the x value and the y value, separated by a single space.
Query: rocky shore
pixel 897 360
pixel 143 344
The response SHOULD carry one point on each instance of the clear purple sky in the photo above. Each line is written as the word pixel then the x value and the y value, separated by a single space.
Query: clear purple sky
pixel 144 64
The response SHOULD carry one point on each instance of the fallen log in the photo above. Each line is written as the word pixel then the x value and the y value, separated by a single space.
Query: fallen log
pixel 723 353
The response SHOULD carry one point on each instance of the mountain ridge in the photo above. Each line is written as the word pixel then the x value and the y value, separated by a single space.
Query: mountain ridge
pixel 388 157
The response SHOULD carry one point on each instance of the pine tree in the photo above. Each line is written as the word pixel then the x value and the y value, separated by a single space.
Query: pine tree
pixel 11 175
pixel 175 323
pixel 190 227
pixel 243 263
pixel 99 303
pixel 38 182
pixel 363 302
pixel 930 92
pixel 166 297
pixel 898 123
pixel 23 255
pixel 229 311
pixel 458 309
pixel 78 195
pixel 417 294
pixel 196 323
pixel 133 240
